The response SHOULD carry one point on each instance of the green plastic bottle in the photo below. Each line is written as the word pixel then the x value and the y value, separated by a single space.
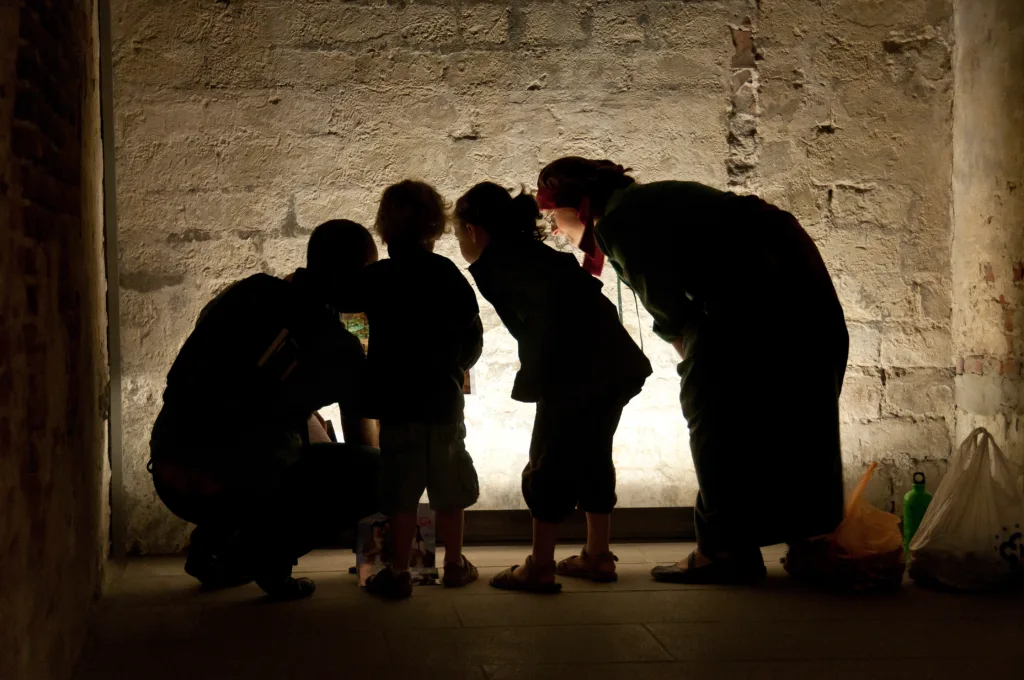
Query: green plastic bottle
pixel 915 503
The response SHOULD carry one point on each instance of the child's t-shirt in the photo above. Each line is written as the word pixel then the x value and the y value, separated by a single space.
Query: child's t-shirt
pixel 425 333
pixel 570 338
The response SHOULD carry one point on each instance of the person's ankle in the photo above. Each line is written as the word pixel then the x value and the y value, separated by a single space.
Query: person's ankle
pixel 602 561
pixel 457 561
pixel 539 570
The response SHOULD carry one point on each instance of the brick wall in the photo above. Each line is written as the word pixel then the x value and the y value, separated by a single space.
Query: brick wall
pixel 52 336
pixel 242 125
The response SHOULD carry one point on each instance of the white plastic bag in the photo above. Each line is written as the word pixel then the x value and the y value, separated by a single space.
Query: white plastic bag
pixel 972 536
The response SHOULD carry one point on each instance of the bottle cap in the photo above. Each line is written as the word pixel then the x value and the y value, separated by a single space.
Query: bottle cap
pixel 919 478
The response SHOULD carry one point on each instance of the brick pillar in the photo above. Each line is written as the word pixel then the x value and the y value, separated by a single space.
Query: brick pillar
pixel 52 335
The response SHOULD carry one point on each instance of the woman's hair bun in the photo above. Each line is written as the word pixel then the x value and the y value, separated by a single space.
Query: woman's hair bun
pixel 491 207
pixel 524 206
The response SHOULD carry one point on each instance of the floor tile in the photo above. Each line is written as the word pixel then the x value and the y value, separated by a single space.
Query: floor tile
pixel 496 556
pixel 534 644
pixel 627 553
pixel 638 577
pixel 887 669
pixel 292 620
pixel 156 624
pixel 660 553
pixel 562 610
pixel 326 560
pixel 846 639
pixel 696 604
pixel 772 554
pixel 177 590
pixel 154 566
pixel 416 671
pixel 232 655
pixel 569 585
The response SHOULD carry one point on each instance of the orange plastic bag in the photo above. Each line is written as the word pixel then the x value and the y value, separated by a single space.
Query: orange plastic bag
pixel 866 530
pixel 865 552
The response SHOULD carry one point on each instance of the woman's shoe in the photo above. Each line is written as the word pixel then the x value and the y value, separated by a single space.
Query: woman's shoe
pixel 740 568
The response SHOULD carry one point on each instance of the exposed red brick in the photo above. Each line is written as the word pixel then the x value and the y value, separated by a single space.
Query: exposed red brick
pixel 1010 368
pixel 987 272
pixel 741 78
pixel 1018 272
pixel 959 365
pixel 745 56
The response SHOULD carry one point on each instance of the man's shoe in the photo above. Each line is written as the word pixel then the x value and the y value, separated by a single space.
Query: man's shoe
pixel 288 589
pixel 216 568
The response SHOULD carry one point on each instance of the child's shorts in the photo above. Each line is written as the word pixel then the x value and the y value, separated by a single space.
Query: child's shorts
pixel 571 456
pixel 431 456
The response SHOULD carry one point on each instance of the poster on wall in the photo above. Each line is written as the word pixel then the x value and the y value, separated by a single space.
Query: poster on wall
pixel 375 547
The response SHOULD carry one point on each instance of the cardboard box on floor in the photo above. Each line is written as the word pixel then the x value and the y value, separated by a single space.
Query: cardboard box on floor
pixel 375 547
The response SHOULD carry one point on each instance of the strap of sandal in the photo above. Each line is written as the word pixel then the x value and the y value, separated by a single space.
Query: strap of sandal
pixel 584 555
pixel 532 567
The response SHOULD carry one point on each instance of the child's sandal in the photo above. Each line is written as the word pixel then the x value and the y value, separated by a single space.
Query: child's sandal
pixel 507 580
pixel 596 568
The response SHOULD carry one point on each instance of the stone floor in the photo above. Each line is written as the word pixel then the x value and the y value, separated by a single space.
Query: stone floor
pixel 156 625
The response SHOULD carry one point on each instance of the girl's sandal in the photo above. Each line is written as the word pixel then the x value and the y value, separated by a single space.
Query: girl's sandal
pixel 737 569
pixel 507 580
pixel 596 568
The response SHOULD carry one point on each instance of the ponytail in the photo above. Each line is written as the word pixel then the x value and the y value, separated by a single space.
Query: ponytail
pixel 492 208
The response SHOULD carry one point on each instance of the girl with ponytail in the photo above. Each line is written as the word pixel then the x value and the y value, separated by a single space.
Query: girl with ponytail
pixel 740 290
pixel 578 364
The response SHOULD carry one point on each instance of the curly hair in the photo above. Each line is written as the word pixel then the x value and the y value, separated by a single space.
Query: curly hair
pixel 411 213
